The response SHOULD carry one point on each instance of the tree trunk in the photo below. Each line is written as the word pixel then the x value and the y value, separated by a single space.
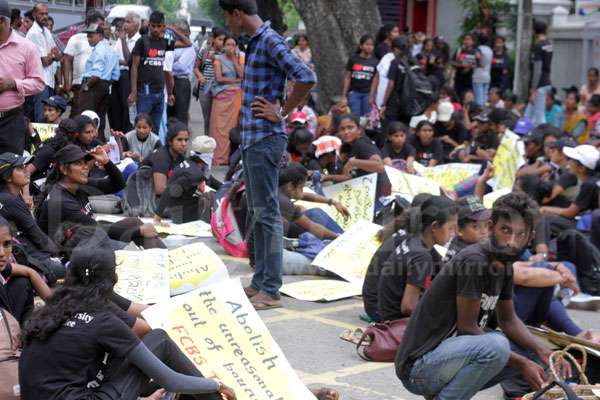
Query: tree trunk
pixel 524 44
pixel 269 10
pixel 334 29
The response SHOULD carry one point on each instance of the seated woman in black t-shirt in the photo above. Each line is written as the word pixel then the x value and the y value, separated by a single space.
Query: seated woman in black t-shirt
pixel 164 160
pixel 66 206
pixel 17 282
pixel 87 133
pixel 396 151
pixel 39 251
pixel 408 271
pixel 66 342
pixel 364 157
pixel 429 149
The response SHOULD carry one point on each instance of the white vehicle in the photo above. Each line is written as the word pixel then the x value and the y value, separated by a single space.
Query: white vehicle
pixel 121 10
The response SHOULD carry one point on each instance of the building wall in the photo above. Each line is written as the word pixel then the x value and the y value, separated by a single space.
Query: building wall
pixel 448 20
pixel 64 12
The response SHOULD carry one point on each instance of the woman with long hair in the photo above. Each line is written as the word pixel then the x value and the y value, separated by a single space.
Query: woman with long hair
pixel 385 36
pixel 66 207
pixel 302 49
pixel 37 248
pixel 360 71
pixel 226 102
pixel 17 282
pixel 76 347
pixel 164 160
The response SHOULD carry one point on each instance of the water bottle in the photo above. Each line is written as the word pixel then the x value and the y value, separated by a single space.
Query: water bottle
pixel 316 183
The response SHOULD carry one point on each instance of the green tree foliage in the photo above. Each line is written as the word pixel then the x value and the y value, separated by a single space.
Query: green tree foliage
pixel 492 14
pixel 290 14
pixel 211 9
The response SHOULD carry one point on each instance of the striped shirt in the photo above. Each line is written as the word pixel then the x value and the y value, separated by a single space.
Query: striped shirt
pixel 207 66
pixel 269 63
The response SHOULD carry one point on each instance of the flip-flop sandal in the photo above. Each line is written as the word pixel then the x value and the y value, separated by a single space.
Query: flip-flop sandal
pixel 352 335
pixel 262 305
pixel 328 394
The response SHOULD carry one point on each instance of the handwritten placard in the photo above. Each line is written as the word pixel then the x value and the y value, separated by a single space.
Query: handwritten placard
pixel 143 275
pixel 320 290
pixel 217 328
pixel 448 175
pixel 350 254
pixel 508 159
pixel 193 266
pixel 358 195
pixel 197 228
pixel 411 185
pixel 45 131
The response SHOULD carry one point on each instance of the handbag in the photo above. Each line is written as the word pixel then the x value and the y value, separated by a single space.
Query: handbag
pixel 381 340
pixel 582 391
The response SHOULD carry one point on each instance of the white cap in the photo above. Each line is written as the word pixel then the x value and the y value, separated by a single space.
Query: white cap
pixel 414 121
pixel 445 111
pixel 93 116
pixel 203 144
pixel 586 154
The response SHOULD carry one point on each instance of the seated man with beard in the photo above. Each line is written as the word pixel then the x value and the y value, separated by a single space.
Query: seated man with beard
pixel 447 353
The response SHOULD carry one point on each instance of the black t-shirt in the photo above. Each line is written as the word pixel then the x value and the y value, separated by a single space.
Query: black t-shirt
pixel 468 57
pixel 411 263
pixel 64 209
pixel 456 246
pixel 161 162
pixel 152 57
pixel 72 361
pixel 587 199
pixel 362 71
pixel 382 49
pixel 485 141
pixel 457 132
pixel 406 151
pixel 433 151
pixel 363 149
pixel 499 63
pixel 184 183
pixel 542 52
pixel 290 213
pixel 472 274
pixel 14 209
pixel 396 73
pixel 370 285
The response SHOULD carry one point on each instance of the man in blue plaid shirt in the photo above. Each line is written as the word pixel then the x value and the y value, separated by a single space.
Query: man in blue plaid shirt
pixel 269 63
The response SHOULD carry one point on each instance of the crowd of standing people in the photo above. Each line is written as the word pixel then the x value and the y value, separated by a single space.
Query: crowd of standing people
pixel 408 101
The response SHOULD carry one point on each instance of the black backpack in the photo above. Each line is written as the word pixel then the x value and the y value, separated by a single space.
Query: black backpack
pixel 139 199
pixel 417 91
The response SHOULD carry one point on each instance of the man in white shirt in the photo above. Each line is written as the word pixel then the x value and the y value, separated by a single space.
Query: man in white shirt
pixel 127 34
pixel 77 52
pixel 42 38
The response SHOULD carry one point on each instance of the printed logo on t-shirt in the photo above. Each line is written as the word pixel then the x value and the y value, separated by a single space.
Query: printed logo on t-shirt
pixel 87 209
pixel 84 317
pixel 155 57
pixel 362 72
pixel 488 305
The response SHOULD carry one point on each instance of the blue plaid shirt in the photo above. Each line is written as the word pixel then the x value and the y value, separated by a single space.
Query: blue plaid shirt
pixel 269 63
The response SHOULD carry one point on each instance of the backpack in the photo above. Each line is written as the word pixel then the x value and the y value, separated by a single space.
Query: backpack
pixel 225 227
pixel 139 199
pixel 573 246
pixel 9 356
pixel 416 91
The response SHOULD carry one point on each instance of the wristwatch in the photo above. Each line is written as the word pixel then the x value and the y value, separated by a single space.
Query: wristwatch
pixel 281 116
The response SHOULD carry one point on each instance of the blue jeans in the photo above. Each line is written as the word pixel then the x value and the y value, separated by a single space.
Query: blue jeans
pixel 261 173
pixel 322 218
pixel 481 90
pixel 460 367
pixel 539 108
pixel 359 103
pixel 151 104
pixel 38 106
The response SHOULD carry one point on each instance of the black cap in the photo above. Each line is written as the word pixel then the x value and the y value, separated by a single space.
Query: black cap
pixel 534 137
pixel 71 153
pixel 56 102
pixel 498 115
pixel 472 209
pixel 483 116
pixel 4 9
pixel 68 126
pixel 10 161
